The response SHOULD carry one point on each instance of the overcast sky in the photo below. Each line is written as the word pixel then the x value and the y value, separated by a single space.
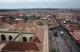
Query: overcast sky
pixel 15 4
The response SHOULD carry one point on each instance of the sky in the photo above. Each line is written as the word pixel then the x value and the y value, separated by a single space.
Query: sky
pixel 24 4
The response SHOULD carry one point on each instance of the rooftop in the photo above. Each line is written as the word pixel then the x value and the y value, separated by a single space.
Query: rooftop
pixel 36 39
pixel 20 46
pixel 75 31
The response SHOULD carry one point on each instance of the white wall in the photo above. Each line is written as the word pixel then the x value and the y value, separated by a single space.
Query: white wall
pixel 19 39
pixel 8 34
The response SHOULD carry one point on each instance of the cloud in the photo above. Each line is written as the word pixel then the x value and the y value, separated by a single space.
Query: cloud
pixel 39 3
pixel 13 1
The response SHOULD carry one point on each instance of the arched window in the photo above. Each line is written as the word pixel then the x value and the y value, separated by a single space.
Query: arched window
pixel 3 37
pixel 10 38
pixel 24 39
pixel 30 38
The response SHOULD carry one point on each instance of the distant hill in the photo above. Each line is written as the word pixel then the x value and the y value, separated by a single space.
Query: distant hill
pixel 54 9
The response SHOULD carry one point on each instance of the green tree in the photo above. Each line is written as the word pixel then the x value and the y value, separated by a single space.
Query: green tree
pixel 53 50
pixel 25 18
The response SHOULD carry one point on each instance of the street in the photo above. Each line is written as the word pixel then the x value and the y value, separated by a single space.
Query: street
pixel 63 43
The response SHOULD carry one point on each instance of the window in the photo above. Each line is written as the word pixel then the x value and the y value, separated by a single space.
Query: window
pixel 30 38
pixel 24 39
pixel 3 37
pixel 10 38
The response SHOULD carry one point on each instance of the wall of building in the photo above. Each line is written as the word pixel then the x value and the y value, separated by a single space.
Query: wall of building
pixel 28 36
pixel 7 34
pixel 14 34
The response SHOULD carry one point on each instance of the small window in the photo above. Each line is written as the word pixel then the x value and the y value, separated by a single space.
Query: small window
pixel 30 38
pixel 24 39
pixel 10 38
pixel 3 37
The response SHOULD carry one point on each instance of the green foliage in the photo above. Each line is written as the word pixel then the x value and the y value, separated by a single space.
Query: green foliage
pixel 12 17
pixel 28 18
pixel 25 18
pixel 53 50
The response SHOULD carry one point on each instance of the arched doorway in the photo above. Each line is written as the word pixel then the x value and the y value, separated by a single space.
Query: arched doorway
pixel 30 38
pixel 24 39
pixel 10 38
pixel 3 38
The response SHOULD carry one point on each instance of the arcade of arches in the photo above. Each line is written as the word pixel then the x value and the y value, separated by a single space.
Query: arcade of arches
pixel 10 37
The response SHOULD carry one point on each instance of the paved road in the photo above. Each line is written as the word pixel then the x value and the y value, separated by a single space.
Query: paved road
pixel 63 43
pixel 70 42
pixel 68 39
pixel 59 44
